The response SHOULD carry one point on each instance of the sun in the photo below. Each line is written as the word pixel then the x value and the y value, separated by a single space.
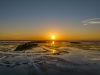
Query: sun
pixel 53 37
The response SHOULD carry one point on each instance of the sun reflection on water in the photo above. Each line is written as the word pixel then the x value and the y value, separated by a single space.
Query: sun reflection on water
pixel 53 42
pixel 54 51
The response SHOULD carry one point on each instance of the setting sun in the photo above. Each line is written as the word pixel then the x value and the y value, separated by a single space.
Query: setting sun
pixel 53 37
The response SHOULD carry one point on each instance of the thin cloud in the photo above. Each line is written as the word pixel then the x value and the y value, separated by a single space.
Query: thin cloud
pixel 85 24
pixel 91 21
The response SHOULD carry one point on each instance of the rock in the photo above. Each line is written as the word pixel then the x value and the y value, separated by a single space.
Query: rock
pixel 26 46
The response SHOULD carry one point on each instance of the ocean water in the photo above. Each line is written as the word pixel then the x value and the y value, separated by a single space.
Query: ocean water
pixel 50 57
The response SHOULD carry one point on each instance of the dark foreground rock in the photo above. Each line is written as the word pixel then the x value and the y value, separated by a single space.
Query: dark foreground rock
pixel 26 46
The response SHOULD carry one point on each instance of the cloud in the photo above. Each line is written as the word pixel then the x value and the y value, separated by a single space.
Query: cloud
pixel 91 21
pixel 85 24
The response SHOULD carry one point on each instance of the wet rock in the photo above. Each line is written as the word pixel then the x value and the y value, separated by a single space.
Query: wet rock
pixel 26 46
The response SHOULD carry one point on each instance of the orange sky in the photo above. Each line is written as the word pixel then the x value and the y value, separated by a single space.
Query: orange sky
pixel 44 31
pixel 39 20
pixel 48 37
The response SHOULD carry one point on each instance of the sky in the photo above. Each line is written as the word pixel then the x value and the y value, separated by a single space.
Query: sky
pixel 40 19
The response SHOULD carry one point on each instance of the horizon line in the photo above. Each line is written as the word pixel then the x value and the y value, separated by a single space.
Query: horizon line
pixel 49 40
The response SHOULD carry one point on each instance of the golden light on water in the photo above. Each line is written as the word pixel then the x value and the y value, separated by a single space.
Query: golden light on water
pixel 53 42
pixel 54 51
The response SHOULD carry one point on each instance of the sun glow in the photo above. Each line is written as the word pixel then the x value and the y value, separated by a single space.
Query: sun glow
pixel 53 37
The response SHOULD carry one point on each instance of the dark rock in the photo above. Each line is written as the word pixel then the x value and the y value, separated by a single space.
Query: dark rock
pixel 26 46
pixel 75 42
pixel 39 41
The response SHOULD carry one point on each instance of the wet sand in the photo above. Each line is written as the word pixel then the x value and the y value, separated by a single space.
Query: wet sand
pixel 61 59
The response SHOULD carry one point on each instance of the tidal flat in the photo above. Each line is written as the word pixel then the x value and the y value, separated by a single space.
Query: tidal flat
pixel 59 57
